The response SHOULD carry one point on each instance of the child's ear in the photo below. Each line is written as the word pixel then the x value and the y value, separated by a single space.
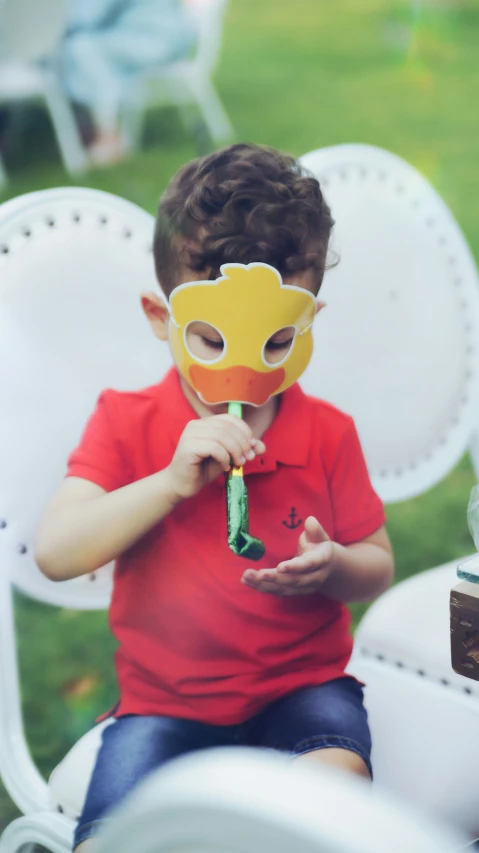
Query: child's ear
pixel 157 314
pixel 319 306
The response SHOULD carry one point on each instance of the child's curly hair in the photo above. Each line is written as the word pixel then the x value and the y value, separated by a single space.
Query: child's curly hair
pixel 243 204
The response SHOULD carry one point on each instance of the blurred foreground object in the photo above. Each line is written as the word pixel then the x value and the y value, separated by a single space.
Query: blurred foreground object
pixel 403 316
pixel 30 31
pixel 120 58
pixel 246 801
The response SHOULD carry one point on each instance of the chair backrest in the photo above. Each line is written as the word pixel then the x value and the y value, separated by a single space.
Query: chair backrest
pixel 72 265
pixel 248 801
pixel 397 346
pixel 31 30
pixel 207 16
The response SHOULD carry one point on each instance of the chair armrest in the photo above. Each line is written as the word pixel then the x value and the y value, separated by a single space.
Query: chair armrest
pixel 21 778
pixel 422 714
pixel 409 626
pixel 54 832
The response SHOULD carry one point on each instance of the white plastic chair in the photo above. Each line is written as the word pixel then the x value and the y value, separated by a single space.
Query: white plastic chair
pixel 397 347
pixel 51 274
pixel 184 83
pixel 29 33
pixel 72 265
pixel 245 801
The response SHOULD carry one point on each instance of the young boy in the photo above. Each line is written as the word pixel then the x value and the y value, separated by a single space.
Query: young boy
pixel 212 651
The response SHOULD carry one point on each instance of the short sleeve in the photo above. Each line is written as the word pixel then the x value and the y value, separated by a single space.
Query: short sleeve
pixel 99 457
pixel 357 510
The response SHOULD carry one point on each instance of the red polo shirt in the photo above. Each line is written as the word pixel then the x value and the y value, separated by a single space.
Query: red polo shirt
pixel 193 641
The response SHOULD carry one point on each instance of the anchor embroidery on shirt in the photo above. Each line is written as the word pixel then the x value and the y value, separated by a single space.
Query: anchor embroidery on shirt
pixel 294 521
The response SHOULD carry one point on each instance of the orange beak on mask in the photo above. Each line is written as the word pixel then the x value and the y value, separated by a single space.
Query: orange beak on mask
pixel 247 306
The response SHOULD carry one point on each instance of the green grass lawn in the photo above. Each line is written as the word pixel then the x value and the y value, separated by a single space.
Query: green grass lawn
pixel 297 76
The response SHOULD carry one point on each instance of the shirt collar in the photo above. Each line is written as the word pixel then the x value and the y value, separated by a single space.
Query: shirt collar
pixel 287 440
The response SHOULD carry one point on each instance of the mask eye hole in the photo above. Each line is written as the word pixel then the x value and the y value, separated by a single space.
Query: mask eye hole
pixel 204 342
pixel 278 346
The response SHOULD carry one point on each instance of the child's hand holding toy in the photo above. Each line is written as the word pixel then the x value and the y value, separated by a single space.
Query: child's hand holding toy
pixel 206 449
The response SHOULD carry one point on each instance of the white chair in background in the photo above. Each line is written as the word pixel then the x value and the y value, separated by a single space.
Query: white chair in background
pixel 29 33
pixel 240 801
pixel 398 348
pixel 185 83
pixel 72 263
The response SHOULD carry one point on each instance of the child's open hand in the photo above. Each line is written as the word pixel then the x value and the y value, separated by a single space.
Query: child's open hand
pixel 303 574
pixel 207 448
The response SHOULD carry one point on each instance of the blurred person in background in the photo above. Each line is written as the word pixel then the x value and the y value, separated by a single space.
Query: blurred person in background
pixel 107 44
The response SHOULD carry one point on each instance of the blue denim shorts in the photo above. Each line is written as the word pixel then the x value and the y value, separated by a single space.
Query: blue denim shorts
pixel 330 715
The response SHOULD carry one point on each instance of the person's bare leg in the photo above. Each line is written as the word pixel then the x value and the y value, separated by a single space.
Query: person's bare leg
pixel 107 147
pixel 342 758
pixel 86 846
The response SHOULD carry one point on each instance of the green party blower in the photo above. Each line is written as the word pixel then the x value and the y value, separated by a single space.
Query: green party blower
pixel 239 539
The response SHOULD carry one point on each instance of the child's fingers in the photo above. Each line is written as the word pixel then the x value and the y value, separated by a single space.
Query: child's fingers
pixel 256 578
pixel 263 585
pixel 258 446
pixel 208 449
pixel 308 561
pixel 232 440
pixel 271 588
pixel 312 536
pixel 236 450
pixel 280 586
pixel 314 530
pixel 227 431
pixel 236 423
pixel 230 426
pixel 240 447
pixel 270 577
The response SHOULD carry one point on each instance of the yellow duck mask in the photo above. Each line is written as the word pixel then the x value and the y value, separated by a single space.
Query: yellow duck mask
pixel 247 306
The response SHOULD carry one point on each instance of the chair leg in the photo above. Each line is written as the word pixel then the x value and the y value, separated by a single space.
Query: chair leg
pixel 214 114
pixel 474 452
pixel 66 130
pixel 46 829
pixel 3 175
